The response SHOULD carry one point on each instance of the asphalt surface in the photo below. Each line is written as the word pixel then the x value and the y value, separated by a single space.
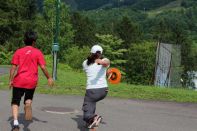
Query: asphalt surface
pixel 4 70
pixel 118 114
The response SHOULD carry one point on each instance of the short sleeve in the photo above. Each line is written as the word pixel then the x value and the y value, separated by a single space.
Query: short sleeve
pixel 41 60
pixel 84 65
pixel 15 58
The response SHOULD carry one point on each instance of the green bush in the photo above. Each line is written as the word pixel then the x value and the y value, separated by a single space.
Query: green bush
pixel 140 64
pixel 74 56
pixel 5 56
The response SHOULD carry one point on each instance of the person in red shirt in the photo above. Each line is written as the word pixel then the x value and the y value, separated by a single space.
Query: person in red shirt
pixel 26 61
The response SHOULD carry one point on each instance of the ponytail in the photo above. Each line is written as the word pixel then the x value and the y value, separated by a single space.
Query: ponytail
pixel 91 59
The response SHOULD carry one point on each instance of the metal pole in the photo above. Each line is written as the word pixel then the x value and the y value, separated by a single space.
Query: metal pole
pixel 55 47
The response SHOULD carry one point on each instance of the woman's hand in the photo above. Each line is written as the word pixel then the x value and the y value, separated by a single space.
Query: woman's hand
pixel 99 61
pixel 104 62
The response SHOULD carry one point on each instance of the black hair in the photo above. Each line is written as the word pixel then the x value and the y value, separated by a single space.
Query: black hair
pixel 93 57
pixel 30 37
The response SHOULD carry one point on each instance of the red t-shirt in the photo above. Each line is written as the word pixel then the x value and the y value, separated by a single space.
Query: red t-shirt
pixel 27 59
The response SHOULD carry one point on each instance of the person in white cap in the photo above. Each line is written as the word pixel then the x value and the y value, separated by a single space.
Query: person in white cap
pixel 95 67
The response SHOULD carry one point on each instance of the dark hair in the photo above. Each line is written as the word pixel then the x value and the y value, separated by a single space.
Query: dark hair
pixel 93 57
pixel 29 37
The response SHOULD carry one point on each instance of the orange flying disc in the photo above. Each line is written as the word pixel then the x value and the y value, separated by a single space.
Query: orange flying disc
pixel 114 75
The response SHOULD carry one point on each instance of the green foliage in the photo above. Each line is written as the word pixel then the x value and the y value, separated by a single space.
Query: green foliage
pixel 113 49
pixel 75 56
pixel 49 59
pixel 106 20
pixel 17 16
pixel 108 4
pixel 128 31
pixel 188 3
pixel 46 27
pixel 150 4
pixel 193 55
pixel 170 29
pixel 5 56
pixel 84 30
pixel 90 4
pixel 140 64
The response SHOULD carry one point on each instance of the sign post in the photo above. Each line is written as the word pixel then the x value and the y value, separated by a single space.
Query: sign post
pixel 55 47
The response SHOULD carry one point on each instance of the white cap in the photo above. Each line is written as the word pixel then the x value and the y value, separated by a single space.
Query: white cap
pixel 96 48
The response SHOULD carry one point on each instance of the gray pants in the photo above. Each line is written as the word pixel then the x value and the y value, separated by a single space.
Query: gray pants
pixel 89 106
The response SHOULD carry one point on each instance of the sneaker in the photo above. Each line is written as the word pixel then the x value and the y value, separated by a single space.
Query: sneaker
pixel 15 128
pixel 28 112
pixel 98 120
pixel 92 124
pixel 95 122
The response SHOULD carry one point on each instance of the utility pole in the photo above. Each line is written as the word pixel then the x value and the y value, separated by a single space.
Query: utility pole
pixel 55 47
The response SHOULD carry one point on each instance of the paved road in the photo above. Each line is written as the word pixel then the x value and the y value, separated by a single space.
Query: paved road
pixel 4 70
pixel 119 115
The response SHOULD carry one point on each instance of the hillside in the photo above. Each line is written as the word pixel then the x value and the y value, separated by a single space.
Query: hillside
pixel 108 4
pixel 88 5
pixel 151 8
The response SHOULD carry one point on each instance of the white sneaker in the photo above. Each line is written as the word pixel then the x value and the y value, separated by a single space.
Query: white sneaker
pixel 98 120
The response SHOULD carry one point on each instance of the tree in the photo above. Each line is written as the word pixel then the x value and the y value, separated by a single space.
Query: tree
pixel 140 63
pixel 129 32
pixel 84 30
pixel 75 56
pixel 17 16
pixel 46 27
pixel 113 49
pixel 161 30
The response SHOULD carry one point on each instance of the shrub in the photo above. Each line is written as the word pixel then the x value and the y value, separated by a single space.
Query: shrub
pixel 5 56
pixel 74 56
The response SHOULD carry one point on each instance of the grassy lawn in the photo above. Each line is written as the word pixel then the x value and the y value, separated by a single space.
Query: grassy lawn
pixel 73 83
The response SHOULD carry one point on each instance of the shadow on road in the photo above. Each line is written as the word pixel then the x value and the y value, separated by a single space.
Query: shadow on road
pixel 80 123
pixel 24 122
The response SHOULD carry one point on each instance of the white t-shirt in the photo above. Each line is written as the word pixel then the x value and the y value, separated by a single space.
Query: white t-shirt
pixel 96 75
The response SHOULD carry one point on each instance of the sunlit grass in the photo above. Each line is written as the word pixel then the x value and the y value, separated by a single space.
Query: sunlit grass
pixel 73 83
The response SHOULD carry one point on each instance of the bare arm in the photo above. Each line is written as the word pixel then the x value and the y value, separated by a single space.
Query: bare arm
pixel 12 72
pixel 46 73
pixel 104 62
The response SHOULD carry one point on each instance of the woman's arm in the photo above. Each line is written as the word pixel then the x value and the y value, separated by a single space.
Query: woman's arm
pixel 104 62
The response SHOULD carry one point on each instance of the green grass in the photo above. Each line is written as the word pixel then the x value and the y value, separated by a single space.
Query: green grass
pixel 73 83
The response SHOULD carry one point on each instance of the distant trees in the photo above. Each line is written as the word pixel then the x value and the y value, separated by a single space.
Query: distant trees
pixel 150 4
pixel 128 31
pixel 90 4
pixel 46 27
pixel 84 30
pixel 16 16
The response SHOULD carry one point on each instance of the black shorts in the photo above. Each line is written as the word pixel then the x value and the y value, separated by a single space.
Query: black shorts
pixel 17 93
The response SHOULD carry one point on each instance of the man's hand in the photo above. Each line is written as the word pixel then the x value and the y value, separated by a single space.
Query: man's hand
pixel 50 82
pixel 10 84
pixel 12 72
